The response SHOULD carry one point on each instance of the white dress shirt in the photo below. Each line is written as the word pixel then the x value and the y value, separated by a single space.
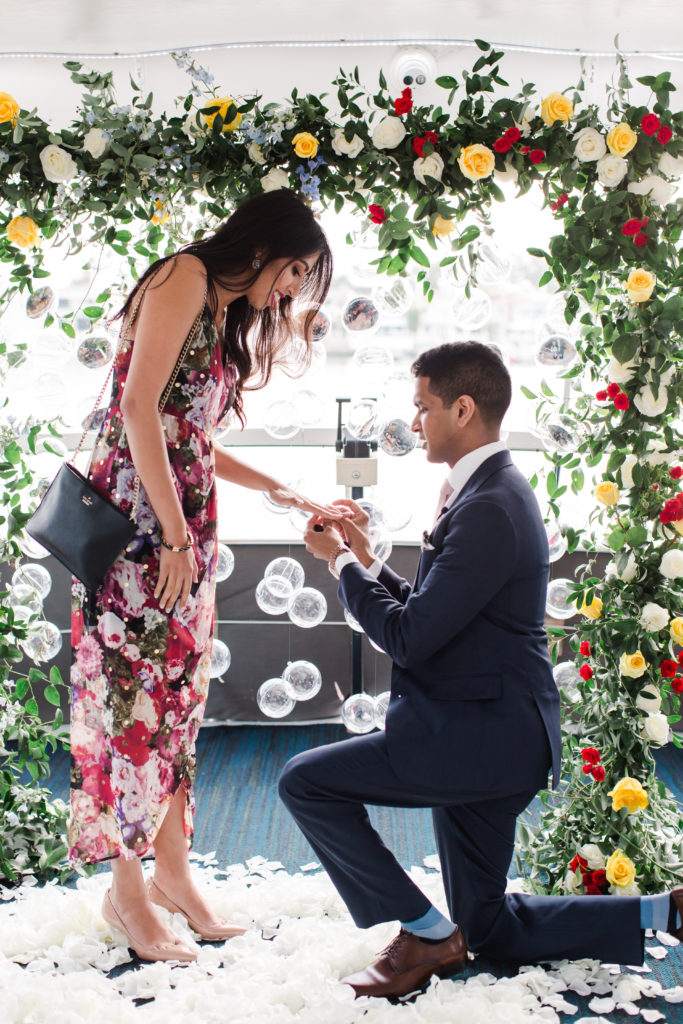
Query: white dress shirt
pixel 457 478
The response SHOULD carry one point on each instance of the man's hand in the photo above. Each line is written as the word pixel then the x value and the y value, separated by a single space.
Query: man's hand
pixel 321 537
pixel 356 530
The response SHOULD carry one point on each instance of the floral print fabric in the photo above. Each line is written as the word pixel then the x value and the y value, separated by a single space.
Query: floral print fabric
pixel 140 677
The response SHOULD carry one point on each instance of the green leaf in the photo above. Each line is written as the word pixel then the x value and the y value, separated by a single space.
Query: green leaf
pixel 52 695
pixel 446 82
pixel 32 706
pixel 616 539
pixel 417 254
pixel 21 689
pixel 68 329
pixel 636 535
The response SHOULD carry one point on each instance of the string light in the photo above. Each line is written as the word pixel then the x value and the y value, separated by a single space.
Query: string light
pixel 335 43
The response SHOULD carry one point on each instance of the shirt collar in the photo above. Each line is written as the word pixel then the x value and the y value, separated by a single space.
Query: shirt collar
pixel 466 466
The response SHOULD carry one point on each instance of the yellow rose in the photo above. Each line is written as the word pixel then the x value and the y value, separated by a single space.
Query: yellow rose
pixel 630 794
pixel 640 284
pixel 221 105
pixel 161 214
pixel 23 232
pixel 556 107
pixel 621 139
pixel 592 610
pixel 633 665
pixel 9 108
pixel 305 145
pixel 442 226
pixel 476 162
pixel 620 869
pixel 678 527
pixel 607 493
pixel 676 631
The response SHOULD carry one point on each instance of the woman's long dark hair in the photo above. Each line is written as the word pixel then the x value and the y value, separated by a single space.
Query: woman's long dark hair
pixel 272 226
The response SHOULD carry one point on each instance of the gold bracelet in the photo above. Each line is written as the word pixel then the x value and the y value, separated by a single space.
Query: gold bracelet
pixel 172 547
pixel 339 550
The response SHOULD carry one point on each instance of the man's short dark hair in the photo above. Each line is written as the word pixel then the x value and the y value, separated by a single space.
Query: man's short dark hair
pixel 467 368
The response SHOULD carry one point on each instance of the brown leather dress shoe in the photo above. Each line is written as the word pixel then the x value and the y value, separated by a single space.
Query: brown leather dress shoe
pixel 676 897
pixel 407 963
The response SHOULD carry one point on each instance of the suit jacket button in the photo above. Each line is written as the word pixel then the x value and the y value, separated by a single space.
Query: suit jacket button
pixel 399 695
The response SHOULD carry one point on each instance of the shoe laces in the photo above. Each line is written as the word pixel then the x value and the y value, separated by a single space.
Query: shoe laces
pixel 395 946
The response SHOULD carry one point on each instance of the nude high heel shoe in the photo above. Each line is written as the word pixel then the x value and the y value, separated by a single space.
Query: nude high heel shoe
pixel 212 933
pixel 157 951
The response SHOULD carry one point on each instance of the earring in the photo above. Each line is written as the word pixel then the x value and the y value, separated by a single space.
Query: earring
pixel 256 263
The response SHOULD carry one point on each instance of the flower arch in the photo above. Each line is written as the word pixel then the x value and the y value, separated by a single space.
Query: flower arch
pixel 123 177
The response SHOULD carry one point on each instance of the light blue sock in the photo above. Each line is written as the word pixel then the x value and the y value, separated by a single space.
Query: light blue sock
pixel 654 912
pixel 432 925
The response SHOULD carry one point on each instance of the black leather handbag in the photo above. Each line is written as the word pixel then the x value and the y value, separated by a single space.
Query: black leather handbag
pixel 79 526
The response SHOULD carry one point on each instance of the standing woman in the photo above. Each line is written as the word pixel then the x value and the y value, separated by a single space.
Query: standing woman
pixel 198 328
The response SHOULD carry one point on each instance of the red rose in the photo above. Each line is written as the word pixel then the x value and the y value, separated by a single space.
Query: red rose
pixel 591 755
pixel 377 214
pixel 664 135
pixel 419 142
pixel 513 133
pixel 585 649
pixel 601 396
pixel 405 102
pixel 631 227
pixel 640 240
pixel 525 149
pixel 598 773
pixel 672 511
pixel 502 145
pixel 680 657
pixel 621 401
pixel 676 472
pixel 586 672
pixel 537 155
pixel 578 862
pixel 592 890
pixel 587 770
pixel 668 668
pixel 677 684
pixel 650 124
pixel 613 390
pixel 599 878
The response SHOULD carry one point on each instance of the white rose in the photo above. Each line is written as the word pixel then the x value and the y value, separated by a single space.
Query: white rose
pixel 656 729
pixel 626 470
pixel 573 883
pixel 671 564
pixel 58 166
pixel 657 454
pixel 191 128
pixel 343 147
pixel 653 617
pixel 589 145
pixel 431 165
pixel 670 165
pixel 621 373
pixel 95 142
pixel 611 169
pixel 646 403
pixel 508 174
pixel 659 190
pixel 627 574
pixel 650 700
pixel 591 854
pixel 625 890
pixel 274 179
pixel 255 153
pixel 388 133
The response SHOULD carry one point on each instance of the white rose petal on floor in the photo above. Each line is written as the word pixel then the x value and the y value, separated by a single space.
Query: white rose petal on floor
pixel 60 962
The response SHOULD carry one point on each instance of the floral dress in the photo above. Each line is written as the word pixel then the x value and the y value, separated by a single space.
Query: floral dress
pixel 140 676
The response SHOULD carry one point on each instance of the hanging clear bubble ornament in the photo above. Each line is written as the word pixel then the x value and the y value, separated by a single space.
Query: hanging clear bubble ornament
pixel 24 596
pixel 307 608
pixel 381 545
pixel 225 563
pixel 274 698
pixel 397 514
pixel 303 678
pixel 37 577
pixel 269 602
pixel 554 313
pixel 318 330
pixel 299 517
pixel 557 542
pixel 318 354
pixel 365 250
pixel 31 548
pixel 309 406
pixel 396 438
pixel 373 362
pixel 220 658
pixel 393 299
pixel 559 602
pixel 51 394
pixel 93 418
pixel 94 351
pixel 51 345
pixel 43 643
pixel 502 353
pixel 473 313
pixel 283 577
pixel 397 393
pixel 362 419
pixel 353 623
pixel 281 420
pixel 272 506
pixel 559 433
pixel 493 264
pixel 358 713
pixel 555 353
pixel 360 316
pixel 373 512
pixel 41 302
pixel 567 678
pixel 381 708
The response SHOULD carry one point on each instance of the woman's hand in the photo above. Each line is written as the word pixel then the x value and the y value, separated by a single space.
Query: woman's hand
pixel 288 498
pixel 177 573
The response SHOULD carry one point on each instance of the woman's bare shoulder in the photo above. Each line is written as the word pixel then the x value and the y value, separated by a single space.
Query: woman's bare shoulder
pixel 185 270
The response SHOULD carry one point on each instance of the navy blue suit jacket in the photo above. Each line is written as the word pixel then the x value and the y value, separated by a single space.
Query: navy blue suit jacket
pixel 473 702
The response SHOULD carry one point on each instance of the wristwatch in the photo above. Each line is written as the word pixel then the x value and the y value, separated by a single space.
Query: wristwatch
pixel 339 550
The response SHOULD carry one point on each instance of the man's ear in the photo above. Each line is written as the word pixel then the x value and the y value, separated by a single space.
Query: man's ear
pixel 465 407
